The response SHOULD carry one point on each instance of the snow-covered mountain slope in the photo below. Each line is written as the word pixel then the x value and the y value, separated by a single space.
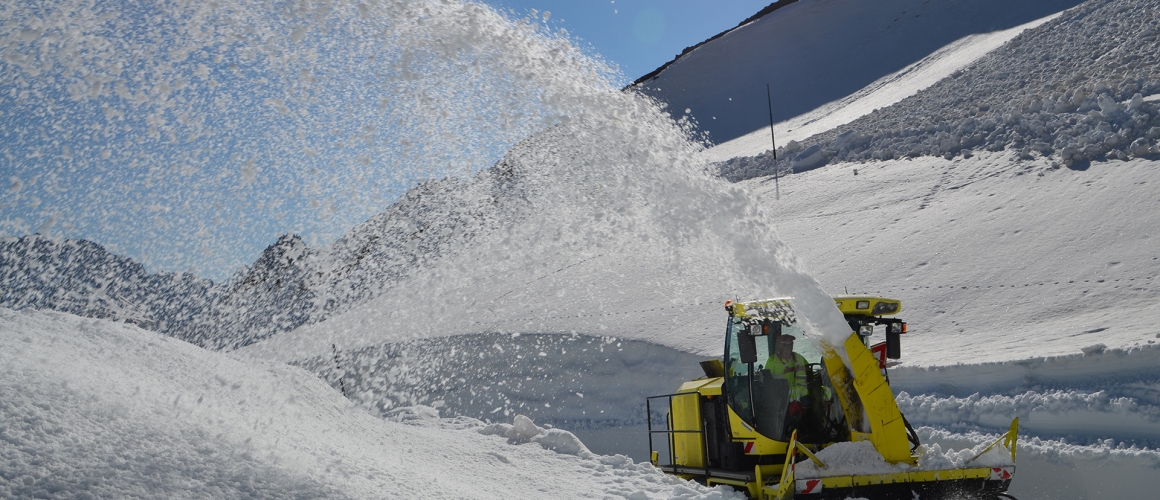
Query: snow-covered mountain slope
pixel 1077 88
pixel 289 285
pixel 994 258
pixel 882 93
pixel 93 408
pixel 81 277
pixel 814 52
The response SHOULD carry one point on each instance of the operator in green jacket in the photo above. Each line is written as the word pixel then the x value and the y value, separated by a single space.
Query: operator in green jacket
pixel 792 367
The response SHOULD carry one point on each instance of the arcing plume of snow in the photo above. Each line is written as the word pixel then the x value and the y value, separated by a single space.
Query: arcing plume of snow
pixel 607 179
pixel 431 88
pixel 624 229
pixel 1072 89
pixel 93 408
pixel 191 135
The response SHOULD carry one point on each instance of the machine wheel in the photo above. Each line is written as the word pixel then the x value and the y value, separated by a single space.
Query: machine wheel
pixel 1004 495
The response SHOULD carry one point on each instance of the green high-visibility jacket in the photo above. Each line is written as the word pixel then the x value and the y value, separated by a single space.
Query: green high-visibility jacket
pixel 793 371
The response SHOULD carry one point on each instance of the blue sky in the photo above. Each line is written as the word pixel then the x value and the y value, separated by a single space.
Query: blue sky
pixel 638 35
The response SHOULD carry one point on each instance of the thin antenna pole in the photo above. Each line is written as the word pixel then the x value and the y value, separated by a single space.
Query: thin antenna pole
pixel 341 383
pixel 773 139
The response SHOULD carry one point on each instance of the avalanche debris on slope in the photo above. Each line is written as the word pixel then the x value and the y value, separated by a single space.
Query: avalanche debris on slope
pixel 1075 89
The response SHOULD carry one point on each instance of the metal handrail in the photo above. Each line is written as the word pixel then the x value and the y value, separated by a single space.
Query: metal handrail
pixel 670 431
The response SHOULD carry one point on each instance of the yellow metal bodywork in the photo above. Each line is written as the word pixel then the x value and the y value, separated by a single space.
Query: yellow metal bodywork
pixel 840 379
pixel 887 430
pixel 784 487
pixel 742 432
pixel 783 491
pixel 685 415
pixel 848 304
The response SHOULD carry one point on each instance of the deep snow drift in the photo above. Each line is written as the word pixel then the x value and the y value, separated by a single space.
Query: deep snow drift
pixel 96 409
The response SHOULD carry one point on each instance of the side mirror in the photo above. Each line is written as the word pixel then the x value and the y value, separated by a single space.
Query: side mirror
pixel 747 344
pixel 894 333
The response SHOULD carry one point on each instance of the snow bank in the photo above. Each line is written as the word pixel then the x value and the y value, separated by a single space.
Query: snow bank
pixel 1051 469
pixel 523 430
pixel 1085 398
pixel 1094 369
pixel 569 381
pixel 1054 413
pixel 92 408
pixel 995 259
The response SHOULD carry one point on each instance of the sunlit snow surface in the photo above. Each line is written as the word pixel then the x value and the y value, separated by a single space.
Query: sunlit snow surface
pixel 92 408
pixel 609 232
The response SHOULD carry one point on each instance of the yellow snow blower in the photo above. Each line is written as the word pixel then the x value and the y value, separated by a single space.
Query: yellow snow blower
pixel 777 419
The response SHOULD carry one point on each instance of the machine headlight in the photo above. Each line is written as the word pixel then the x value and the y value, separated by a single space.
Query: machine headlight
pixel 884 308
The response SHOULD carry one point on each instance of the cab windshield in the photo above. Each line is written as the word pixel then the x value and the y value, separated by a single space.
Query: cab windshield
pixel 778 393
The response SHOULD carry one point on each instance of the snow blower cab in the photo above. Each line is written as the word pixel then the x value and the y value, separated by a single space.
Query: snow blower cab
pixel 776 399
